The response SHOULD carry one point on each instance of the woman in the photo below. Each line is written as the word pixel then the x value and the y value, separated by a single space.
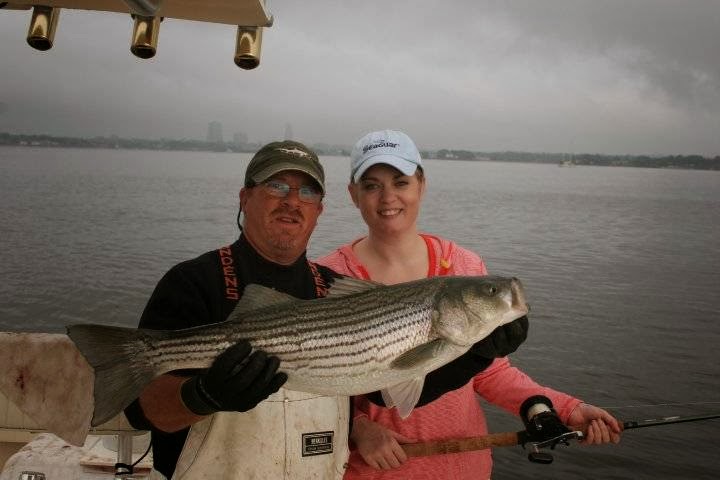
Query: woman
pixel 387 185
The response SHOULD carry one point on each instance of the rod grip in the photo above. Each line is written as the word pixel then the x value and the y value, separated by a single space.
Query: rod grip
pixel 458 445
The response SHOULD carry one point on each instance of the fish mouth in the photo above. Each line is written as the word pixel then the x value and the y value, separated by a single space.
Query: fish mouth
pixel 516 302
pixel 518 296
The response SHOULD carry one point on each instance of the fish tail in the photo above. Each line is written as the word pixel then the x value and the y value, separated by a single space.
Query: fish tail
pixel 121 369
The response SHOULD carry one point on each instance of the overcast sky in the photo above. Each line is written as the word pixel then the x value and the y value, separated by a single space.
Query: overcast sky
pixel 610 76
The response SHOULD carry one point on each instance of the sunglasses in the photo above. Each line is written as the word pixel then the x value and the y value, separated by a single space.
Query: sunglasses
pixel 306 193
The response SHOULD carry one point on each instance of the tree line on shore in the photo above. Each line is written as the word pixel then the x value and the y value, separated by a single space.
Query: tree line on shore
pixel 697 162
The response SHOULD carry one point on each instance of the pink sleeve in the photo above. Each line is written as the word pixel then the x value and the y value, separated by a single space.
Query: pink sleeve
pixel 466 262
pixel 461 261
pixel 507 387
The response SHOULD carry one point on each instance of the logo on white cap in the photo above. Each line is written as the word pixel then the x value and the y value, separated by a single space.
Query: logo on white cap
pixel 378 145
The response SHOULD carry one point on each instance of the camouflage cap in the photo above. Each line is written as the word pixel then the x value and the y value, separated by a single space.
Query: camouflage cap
pixel 276 157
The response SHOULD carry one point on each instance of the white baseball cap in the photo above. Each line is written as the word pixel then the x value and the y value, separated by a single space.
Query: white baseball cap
pixel 384 146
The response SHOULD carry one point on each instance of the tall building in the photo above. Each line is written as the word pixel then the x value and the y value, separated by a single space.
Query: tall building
pixel 239 138
pixel 214 133
pixel 288 132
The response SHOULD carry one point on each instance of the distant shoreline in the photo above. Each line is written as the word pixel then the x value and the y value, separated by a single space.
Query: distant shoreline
pixel 687 162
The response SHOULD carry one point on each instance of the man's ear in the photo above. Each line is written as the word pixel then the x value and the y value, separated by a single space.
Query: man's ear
pixel 243 197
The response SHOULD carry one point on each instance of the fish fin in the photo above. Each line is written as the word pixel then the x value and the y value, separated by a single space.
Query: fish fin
pixel 348 286
pixel 115 354
pixel 257 296
pixel 404 396
pixel 418 355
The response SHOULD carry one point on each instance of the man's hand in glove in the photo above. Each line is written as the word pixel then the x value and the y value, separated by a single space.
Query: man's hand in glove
pixel 504 340
pixel 236 381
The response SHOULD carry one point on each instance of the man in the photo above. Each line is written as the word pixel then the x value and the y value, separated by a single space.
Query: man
pixel 212 424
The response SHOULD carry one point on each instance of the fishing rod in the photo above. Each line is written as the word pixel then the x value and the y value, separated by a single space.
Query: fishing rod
pixel 652 422
pixel 525 439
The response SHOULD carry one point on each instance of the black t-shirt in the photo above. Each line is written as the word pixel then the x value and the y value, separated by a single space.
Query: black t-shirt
pixel 205 290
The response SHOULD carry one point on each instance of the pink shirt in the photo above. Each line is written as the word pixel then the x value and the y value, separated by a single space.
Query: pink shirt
pixel 456 414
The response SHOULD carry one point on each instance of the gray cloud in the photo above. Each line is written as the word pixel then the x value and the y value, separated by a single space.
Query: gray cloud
pixel 571 75
pixel 670 46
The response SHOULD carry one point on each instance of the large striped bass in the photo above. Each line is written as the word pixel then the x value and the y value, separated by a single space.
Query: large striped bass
pixel 361 338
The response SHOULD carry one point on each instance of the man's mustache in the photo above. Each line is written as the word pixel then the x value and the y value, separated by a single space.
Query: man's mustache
pixel 295 213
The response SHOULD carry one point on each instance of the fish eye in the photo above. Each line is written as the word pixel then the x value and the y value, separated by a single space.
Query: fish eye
pixel 491 289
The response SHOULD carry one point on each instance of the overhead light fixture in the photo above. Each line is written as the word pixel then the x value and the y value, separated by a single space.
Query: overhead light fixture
pixel 145 36
pixel 43 23
pixel 247 47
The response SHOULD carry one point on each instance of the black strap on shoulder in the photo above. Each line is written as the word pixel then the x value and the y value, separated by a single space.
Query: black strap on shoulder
pixel 230 281
pixel 321 286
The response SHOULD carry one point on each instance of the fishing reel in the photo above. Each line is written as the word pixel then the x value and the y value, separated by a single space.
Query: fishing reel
pixel 543 429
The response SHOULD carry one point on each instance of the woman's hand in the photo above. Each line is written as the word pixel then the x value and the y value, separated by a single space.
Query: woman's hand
pixel 597 425
pixel 377 445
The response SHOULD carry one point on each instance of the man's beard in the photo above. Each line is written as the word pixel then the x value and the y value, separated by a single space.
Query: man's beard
pixel 284 244
pixel 282 241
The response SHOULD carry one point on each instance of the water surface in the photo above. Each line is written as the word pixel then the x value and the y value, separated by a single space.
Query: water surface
pixel 621 267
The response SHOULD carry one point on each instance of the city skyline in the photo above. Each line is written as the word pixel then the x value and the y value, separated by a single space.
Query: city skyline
pixel 612 77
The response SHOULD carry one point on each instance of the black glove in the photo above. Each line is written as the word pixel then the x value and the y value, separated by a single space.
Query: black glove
pixel 504 340
pixel 543 425
pixel 236 381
